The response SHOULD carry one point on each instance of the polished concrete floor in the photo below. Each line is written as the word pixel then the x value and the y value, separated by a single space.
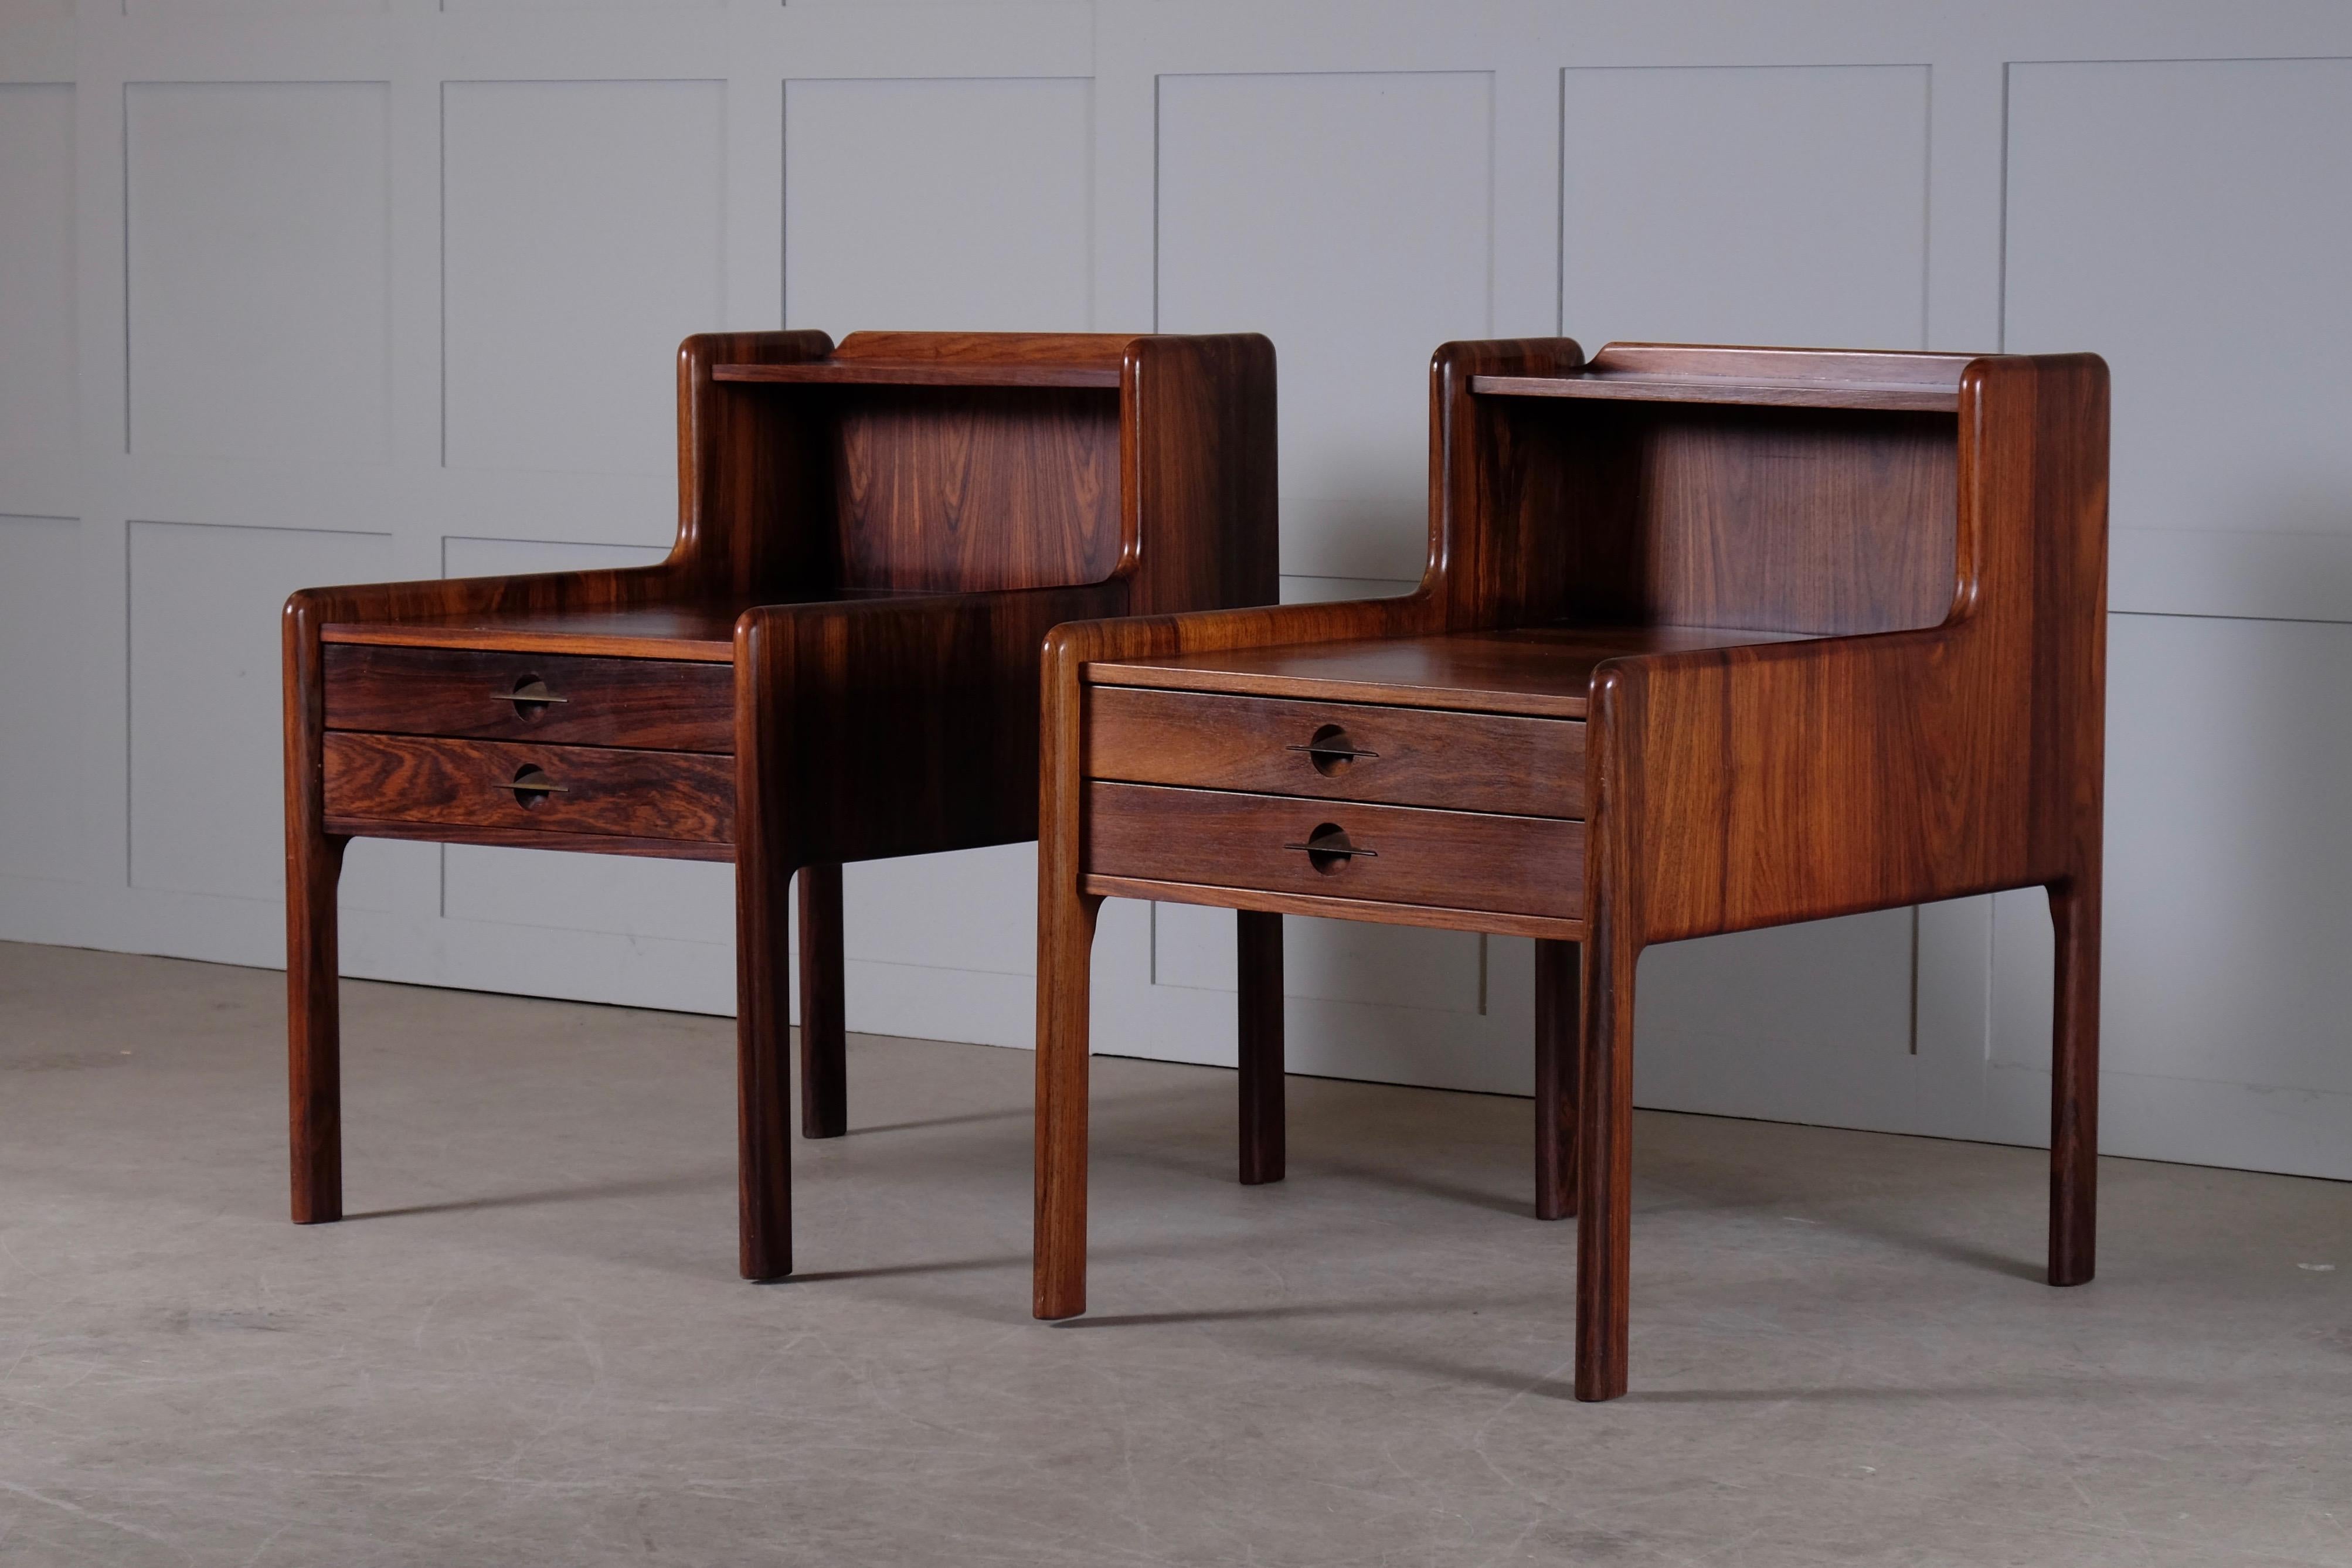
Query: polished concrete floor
pixel 528 1345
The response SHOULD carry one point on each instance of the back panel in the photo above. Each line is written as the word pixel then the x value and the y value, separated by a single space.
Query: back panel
pixel 969 488
pixel 1778 519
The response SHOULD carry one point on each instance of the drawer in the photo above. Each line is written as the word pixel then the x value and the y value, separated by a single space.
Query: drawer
pixel 1337 751
pixel 1391 854
pixel 542 789
pixel 658 704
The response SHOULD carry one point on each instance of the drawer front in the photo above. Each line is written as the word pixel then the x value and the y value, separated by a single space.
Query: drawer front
pixel 657 704
pixel 1391 854
pixel 1337 751
pixel 543 788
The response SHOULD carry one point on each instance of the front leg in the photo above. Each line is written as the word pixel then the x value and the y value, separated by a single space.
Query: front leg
pixel 2074 1082
pixel 314 864
pixel 1604 1216
pixel 1259 937
pixel 762 1052
pixel 1065 935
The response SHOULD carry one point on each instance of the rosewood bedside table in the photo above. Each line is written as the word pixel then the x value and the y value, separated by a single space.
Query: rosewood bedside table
pixel 838 661
pixel 1710 639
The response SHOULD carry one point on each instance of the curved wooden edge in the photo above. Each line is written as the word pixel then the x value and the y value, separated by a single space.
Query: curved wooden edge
pixel 528 838
pixel 1368 910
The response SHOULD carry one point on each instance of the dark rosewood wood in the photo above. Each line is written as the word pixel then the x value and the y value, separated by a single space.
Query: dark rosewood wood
pixel 1336 752
pixel 1556 1002
pixel 554 788
pixel 1544 671
pixel 1394 854
pixel 873 539
pixel 1370 911
pixel 1902 560
pixel 653 705
pixel 824 1025
pixel 922 374
pixel 1260 1055
pixel 532 839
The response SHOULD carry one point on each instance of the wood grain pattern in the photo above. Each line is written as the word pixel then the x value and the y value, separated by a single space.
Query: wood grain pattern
pixel 526 788
pixel 921 373
pixel 873 540
pixel 1927 723
pixel 1258 968
pixel 1543 671
pixel 652 705
pixel 1394 756
pixel 938 490
pixel 1370 911
pixel 1745 394
pixel 1402 854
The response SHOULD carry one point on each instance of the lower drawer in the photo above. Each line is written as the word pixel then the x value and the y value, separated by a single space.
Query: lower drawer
pixel 544 789
pixel 1389 854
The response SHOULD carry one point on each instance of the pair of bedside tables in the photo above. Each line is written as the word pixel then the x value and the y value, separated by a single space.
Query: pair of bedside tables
pixel 1710 639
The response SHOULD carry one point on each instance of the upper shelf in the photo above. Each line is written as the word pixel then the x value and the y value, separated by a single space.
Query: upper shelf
pixel 1929 398
pixel 922 373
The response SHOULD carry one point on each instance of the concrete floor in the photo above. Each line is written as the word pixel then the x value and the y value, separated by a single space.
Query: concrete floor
pixel 529 1346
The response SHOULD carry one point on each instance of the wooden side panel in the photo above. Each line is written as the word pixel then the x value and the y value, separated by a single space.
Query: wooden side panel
pixel 1802 780
pixel 965 489
pixel 1198 463
pixel 1337 751
pixel 658 704
pixel 1390 855
pixel 590 789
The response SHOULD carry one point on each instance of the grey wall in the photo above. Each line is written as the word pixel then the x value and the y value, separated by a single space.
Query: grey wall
pixel 306 292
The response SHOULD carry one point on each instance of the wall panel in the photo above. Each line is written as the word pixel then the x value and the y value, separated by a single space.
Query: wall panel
pixel 387 288
pixel 207 754
pixel 938 205
pixel 584 236
pixel 259 285
pixel 1773 205
pixel 2188 219
pixel 39 377
pixel 1348 216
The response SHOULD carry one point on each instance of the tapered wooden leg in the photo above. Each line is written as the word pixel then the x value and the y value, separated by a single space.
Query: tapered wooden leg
pixel 1605 1160
pixel 1556 1058
pixel 314 864
pixel 2074 1082
pixel 1066 937
pixel 825 1030
pixel 763 1073
pixel 1259 938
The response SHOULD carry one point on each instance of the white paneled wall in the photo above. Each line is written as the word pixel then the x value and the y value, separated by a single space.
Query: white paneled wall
pixel 301 291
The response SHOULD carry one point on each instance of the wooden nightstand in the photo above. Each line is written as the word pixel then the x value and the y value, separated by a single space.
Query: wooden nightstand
pixel 837 661
pixel 1710 639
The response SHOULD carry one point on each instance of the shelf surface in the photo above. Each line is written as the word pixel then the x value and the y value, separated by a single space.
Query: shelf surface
pixel 921 373
pixel 1925 397
pixel 698 630
pixel 1546 671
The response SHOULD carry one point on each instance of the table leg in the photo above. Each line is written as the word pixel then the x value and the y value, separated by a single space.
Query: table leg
pixel 1556 1057
pixel 1605 1148
pixel 762 1046
pixel 314 864
pixel 1259 942
pixel 1066 935
pixel 2074 1080
pixel 824 1074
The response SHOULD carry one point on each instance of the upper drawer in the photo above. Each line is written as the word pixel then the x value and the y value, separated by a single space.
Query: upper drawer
pixel 1337 751
pixel 659 705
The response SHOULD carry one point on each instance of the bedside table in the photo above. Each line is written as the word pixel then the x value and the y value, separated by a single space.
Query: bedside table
pixel 837 661
pixel 1710 639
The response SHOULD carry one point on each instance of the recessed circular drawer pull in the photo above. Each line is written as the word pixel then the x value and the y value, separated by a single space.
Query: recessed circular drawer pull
pixel 1328 851
pixel 530 696
pixel 1330 749
pixel 531 786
